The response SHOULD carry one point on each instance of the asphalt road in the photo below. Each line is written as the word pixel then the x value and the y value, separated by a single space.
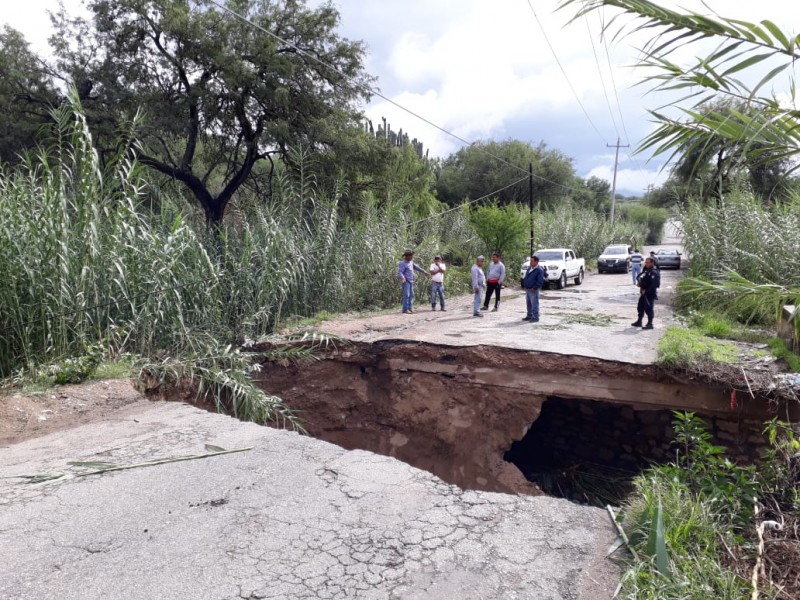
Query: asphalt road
pixel 591 320
pixel 291 518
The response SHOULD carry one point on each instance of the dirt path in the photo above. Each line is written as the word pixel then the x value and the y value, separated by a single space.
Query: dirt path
pixel 24 416
pixel 591 320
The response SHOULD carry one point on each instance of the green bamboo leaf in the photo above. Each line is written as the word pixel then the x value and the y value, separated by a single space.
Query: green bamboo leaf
pixel 92 464
pixel 656 544
pixel 753 29
pixel 213 448
pixel 769 77
pixel 753 60
pixel 777 34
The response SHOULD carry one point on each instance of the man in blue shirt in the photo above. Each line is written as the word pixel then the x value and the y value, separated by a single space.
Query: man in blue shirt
pixel 405 273
pixel 636 264
pixel 533 283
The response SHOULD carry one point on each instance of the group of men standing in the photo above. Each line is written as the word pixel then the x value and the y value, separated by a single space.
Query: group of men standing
pixel 405 273
pixel 644 272
pixel 489 283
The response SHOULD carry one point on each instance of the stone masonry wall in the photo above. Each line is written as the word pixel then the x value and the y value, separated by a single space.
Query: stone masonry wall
pixel 572 431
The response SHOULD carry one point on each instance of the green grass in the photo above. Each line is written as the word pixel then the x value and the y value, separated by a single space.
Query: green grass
pixel 595 320
pixel 781 351
pixel 296 321
pixel 716 325
pixel 707 504
pixel 121 368
pixel 681 347
pixel 694 537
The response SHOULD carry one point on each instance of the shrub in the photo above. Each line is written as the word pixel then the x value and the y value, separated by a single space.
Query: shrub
pixel 78 370
pixel 781 350
pixel 653 219
pixel 502 229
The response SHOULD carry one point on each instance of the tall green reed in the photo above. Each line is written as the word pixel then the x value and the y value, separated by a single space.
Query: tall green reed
pixel 743 258
pixel 742 235
pixel 87 257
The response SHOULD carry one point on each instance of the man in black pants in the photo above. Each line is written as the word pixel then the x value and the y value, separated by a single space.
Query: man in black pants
pixel 648 287
pixel 494 280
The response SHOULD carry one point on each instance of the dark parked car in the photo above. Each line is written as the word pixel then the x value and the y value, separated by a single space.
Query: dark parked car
pixel 616 257
pixel 668 258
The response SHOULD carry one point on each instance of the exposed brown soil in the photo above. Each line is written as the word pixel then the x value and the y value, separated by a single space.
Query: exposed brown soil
pixel 23 417
pixel 455 411
pixel 412 416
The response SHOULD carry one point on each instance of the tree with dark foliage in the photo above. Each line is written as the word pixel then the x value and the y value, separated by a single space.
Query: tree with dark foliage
pixel 218 94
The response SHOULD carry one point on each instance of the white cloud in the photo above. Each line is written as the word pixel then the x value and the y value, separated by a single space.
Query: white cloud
pixel 630 181
pixel 32 20
pixel 490 66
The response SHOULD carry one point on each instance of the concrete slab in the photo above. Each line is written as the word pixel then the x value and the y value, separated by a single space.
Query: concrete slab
pixel 292 518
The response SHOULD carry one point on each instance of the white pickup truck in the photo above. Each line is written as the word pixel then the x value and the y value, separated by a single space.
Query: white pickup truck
pixel 560 264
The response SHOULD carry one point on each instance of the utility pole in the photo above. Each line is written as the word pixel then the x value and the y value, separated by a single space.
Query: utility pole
pixel 530 199
pixel 614 183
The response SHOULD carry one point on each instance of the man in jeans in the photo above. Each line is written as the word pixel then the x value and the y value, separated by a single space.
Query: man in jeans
pixel 437 270
pixel 636 264
pixel 478 285
pixel 533 283
pixel 494 280
pixel 405 273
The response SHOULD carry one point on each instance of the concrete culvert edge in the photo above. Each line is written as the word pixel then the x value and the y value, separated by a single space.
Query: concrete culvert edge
pixel 459 412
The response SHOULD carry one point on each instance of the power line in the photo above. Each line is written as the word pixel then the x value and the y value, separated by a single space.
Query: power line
pixel 644 172
pixel 611 74
pixel 463 204
pixel 377 93
pixel 600 74
pixel 360 84
pixel 564 72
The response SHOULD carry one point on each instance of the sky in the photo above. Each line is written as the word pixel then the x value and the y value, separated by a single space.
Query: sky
pixel 485 69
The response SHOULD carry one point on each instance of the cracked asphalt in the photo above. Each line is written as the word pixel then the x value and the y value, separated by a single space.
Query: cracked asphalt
pixel 293 517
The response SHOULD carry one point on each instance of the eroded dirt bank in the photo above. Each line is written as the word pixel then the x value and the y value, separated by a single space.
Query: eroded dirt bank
pixel 455 412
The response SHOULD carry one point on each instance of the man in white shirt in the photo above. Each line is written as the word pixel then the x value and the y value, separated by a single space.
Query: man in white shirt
pixel 494 280
pixel 478 285
pixel 437 270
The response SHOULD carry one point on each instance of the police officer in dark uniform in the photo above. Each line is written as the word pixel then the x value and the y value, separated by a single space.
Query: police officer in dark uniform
pixel 649 282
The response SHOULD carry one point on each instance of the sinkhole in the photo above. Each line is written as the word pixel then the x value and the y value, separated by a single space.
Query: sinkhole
pixel 505 420
pixel 589 451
